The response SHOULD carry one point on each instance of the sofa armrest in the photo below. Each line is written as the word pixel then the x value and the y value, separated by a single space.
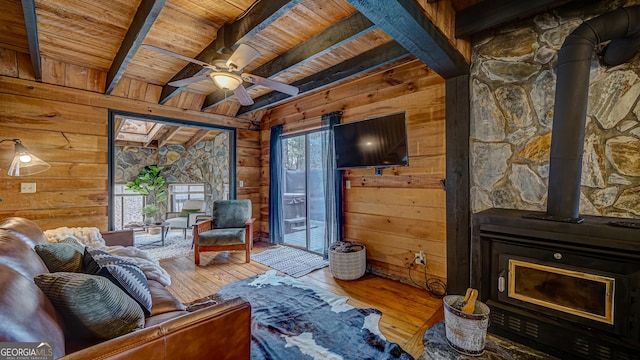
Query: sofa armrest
pixel 222 330
pixel 118 237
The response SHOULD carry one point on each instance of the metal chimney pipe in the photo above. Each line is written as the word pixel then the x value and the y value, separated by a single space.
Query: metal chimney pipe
pixel 570 108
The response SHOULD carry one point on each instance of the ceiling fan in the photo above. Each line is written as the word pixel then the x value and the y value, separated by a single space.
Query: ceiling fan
pixel 228 75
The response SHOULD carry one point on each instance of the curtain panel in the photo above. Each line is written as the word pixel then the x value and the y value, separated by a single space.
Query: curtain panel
pixel 275 185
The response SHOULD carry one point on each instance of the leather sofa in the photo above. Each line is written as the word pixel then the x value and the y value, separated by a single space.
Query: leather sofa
pixel 221 331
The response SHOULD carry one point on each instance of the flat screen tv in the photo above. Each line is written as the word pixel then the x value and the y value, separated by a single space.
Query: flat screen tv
pixel 374 143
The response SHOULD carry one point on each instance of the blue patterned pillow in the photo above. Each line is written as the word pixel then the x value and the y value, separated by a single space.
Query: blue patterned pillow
pixel 121 272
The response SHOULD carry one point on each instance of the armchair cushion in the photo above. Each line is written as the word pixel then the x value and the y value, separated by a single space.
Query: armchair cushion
pixel 185 212
pixel 227 236
pixel 231 213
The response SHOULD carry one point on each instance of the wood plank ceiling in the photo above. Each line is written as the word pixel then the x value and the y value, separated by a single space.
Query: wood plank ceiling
pixel 307 43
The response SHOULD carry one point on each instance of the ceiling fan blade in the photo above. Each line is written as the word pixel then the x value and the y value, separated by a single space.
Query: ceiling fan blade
pixel 275 85
pixel 243 96
pixel 188 81
pixel 240 58
pixel 171 53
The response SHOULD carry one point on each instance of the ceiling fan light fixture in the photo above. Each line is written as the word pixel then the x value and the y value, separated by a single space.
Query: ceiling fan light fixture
pixel 226 81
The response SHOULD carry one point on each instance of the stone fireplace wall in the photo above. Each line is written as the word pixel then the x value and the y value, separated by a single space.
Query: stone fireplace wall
pixel 206 162
pixel 512 98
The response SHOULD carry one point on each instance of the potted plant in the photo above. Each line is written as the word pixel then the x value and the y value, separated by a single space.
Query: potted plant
pixel 151 184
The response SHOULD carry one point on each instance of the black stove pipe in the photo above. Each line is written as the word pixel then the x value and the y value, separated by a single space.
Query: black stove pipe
pixel 570 108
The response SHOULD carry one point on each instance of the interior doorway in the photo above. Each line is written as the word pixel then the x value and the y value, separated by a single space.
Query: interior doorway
pixel 198 162
pixel 304 182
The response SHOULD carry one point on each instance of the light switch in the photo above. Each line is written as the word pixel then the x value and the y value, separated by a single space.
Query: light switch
pixel 347 184
pixel 241 183
pixel 28 188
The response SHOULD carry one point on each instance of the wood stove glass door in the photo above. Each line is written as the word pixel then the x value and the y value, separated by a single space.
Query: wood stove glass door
pixel 575 292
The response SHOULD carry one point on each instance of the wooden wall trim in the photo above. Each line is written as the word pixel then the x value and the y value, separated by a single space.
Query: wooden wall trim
pixel 457 184
pixel 53 92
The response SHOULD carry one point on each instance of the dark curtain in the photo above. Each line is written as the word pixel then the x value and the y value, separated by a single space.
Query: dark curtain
pixel 333 183
pixel 275 185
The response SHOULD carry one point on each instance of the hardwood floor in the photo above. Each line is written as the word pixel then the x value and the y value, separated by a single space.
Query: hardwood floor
pixel 407 312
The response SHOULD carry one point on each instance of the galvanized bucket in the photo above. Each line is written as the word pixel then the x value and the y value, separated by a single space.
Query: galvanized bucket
pixel 466 333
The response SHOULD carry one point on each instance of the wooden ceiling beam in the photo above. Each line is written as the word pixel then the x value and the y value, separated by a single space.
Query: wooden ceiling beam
pixel 338 34
pixel 407 24
pixel 493 13
pixel 195 138
pixel 31 24
pixel 168 136
pixel 153 132
pixel 145 16
pixel 263 14
pixel 363 63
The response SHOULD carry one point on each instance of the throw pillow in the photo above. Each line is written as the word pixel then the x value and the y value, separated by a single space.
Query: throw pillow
pixel 91 304
pixel 65 255
pixel 186 212
pixel 121 272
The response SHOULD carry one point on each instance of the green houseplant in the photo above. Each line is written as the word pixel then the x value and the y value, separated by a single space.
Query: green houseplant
pixel 151 184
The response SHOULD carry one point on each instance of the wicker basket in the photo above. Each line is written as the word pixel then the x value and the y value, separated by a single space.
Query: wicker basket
pixel 347 260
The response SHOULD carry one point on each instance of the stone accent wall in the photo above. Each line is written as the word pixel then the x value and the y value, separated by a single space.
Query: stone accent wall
pixel 512 98
pixel 207 162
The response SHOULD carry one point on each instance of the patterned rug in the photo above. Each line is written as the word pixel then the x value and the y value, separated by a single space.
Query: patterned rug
pixel 291 261
pixel 292 319
pixel 174 245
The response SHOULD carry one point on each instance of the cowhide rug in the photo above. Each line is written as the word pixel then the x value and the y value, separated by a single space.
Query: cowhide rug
pixel 292 319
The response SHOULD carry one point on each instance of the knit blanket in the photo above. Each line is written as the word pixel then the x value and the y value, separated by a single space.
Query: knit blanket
pixel 90 236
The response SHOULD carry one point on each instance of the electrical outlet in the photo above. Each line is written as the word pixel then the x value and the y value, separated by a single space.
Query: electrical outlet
pixel 347 184
pixel 241 183
pixel 27 188
pixel 420 258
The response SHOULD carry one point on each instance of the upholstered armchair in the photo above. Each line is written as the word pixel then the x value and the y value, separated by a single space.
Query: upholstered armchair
pixel 187 217
pixel 231 228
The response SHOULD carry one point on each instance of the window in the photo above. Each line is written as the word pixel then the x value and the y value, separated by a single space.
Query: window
pixel 128 206
pixel 179 193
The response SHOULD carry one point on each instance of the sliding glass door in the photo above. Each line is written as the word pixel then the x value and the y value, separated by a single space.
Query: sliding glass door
pixel 304 182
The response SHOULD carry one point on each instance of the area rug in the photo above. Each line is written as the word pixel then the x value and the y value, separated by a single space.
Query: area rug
pixel 292 319
pixel 291 261
pixel 174 245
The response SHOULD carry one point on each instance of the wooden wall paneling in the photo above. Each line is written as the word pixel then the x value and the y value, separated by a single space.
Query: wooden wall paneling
pixel 68 128
pixel 8 63
pixel 53 71
pixel 152 94
pixel 96 80
pixel 403 211
pixel 76 76
pixel 122 88
pixel 25 70
pixel 137 89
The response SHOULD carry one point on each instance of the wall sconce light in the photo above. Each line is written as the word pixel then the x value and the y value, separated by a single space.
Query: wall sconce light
pixel 25 163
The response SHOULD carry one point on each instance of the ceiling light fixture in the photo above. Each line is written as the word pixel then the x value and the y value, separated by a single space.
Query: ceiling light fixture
pixel 25 163
pixel 225 80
